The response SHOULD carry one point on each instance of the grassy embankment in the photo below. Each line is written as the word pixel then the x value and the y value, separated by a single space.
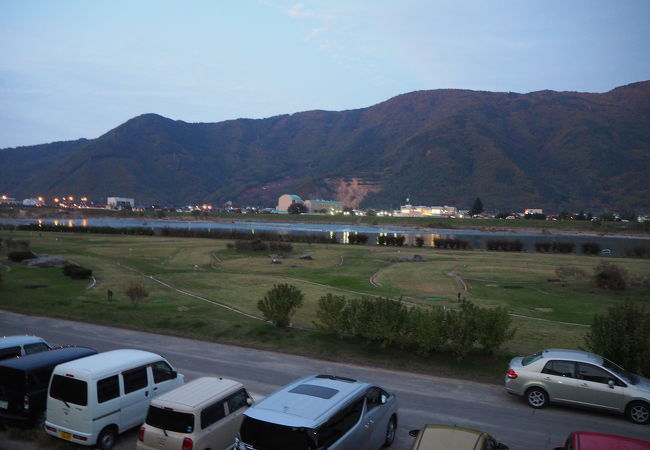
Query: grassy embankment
pixel 554 313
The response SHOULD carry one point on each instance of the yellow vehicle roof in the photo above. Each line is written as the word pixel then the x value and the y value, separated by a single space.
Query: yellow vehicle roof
pixel 438 437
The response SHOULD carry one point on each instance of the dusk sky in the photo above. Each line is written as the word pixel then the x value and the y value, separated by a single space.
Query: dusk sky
pixel 78 68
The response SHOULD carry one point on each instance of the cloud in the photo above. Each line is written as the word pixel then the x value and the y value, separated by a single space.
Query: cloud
pixel 298 11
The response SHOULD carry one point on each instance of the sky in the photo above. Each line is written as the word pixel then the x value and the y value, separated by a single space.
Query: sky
pixel 74 69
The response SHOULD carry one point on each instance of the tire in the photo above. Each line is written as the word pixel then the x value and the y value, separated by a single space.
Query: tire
pixel 106 439
pixel 537 398
pixel 391 430
pixel 638 412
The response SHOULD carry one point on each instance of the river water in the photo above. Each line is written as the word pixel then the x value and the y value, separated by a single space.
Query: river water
pixel 476 239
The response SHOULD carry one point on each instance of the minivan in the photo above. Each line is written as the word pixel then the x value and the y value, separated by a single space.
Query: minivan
pixel 92 400
pixel 203 414
pixel 24 381
pixel 321 412
pixel 13 346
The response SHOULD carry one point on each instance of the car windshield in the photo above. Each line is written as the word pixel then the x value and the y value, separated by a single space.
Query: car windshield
pixel 618 370
pixel 270 436
pixel 531 358
pixel 165 419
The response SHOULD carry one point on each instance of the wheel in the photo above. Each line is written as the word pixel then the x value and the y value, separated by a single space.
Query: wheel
pixel 106 439
pixel 638 412
pixel 390 431
pixel 537 397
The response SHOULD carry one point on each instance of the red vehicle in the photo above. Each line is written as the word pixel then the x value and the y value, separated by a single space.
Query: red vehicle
pixel 588 440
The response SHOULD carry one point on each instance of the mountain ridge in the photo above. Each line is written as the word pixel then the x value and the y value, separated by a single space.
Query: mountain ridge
pixel 557 150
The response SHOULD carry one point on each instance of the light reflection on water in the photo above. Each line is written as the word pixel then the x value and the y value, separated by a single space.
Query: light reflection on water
pixel 342 232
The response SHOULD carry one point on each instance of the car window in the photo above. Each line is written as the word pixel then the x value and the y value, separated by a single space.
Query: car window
pixel 339 424
pixel 373 397
pixel 588 372
pixel 9 352
pixel 237 401
pixel 212 413
pixel 560 368
pixel 35 348
pixel 135 379
pixel 108 389
pixel 490 444
pixel 531 358
pixel 162 372
pixel 69 390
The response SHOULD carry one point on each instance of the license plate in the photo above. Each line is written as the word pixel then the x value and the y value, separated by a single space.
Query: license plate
pixel 64 435
pixel 4 405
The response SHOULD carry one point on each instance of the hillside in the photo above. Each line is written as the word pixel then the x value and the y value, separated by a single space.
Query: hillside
pixel 556 150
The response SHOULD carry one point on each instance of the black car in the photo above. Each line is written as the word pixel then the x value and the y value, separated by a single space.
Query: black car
pixel 24 381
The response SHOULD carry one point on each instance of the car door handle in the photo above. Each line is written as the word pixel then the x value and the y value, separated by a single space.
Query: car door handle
pixel 546 378
pixel 146 393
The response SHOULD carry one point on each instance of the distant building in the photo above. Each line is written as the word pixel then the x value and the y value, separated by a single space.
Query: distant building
pixel 4 200
pixel 533 211
pixel 324 206
pixel 33 202
pixel 287 200
pixel 422 211
pixel 120 203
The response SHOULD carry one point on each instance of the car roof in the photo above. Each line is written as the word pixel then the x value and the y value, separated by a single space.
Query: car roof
pixel 196 393
pixel 601 441
pixel 108 362
pixel 308 401
pixel 574 355
pixel 40 359
pixel 438 437
pixel 10 341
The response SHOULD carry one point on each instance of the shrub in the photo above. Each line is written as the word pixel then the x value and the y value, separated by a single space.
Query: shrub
pixel 590 248
pixel 357 238
pixel 462 328
pixel 77 272
pixel 280 304
pixel 610 276
pixel 419 241
pixel 503 245
pixel 493 328
pixel 332 314
pixel 622 335
pixel 429 331
pixel 380 320
pixel 20 255
pixel 638 251
pixel 570 272
pixel 136 291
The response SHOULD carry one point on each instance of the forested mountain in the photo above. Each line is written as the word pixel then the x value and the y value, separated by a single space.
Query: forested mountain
pixel 554 150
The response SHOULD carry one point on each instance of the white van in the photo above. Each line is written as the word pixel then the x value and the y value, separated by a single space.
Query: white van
pixel 91 400
pixel 203 414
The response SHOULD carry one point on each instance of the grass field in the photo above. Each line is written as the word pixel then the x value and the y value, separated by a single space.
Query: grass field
pixel 192 281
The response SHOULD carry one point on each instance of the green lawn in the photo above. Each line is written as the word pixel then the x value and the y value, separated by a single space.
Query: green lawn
pixel 549 312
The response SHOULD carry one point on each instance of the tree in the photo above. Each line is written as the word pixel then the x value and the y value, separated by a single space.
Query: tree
pixel 493 328
pixel 136 291
pixel 280 304
pixel 477 208
pixel 622 335
pixel 297 208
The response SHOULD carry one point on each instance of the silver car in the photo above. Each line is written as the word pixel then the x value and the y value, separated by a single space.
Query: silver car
pixel 321 412
pixel 579 378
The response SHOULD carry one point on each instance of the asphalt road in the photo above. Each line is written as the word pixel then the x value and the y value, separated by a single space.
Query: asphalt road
pixel 422 398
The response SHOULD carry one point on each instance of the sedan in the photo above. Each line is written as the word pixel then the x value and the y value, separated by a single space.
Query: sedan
pixel 579 378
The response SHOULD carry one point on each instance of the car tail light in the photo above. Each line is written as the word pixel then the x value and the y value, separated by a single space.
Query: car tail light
pixel 188 444
pixel 26 402
pixel 141 434
pixel 512 374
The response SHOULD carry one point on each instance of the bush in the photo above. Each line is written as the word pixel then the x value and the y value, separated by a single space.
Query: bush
pixel 379 320
pixel 419 241
pixel 280 304
pixel 610 276
pixel 136 291
pixel 77 272
pixel 493 328
pixel 451 243
pixel 20 255
pixel 591 248
pixel 332 314
pixel 503 245
pixel 358 238
pixel 570 272
pixel 429 331
pixel 622 335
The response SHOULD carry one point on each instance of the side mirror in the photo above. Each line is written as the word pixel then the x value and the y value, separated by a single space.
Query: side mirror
pixel 249 401
pixel 414 433
pixel 384 399
pixel 174 375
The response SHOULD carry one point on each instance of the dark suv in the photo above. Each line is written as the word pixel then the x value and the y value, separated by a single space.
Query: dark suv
pixel 24 381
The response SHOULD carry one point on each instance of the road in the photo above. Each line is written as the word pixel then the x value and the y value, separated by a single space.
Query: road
pixel 422 398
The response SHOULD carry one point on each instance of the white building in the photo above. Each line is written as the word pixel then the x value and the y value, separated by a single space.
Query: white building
pixel 120 203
